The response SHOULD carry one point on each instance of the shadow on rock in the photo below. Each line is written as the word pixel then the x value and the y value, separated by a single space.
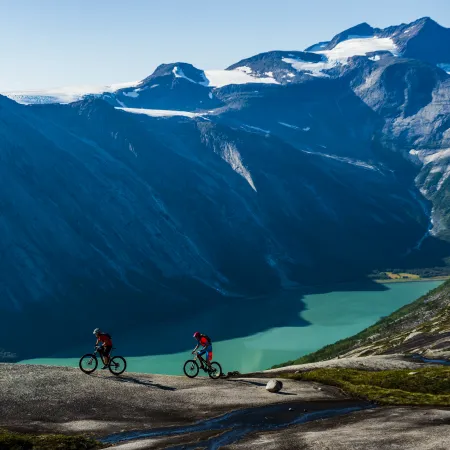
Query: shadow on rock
pixel 127 379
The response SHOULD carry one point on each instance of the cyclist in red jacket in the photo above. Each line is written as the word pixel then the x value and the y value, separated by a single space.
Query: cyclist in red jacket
pixel 106 346
pixel 204 341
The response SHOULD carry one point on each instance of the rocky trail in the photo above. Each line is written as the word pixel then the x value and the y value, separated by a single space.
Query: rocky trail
pixel 141 411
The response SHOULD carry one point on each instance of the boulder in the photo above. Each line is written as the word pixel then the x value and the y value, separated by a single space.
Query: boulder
pixel 274 386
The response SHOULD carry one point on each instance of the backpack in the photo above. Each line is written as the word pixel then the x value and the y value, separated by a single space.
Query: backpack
pixel 107 335
pixel 207 338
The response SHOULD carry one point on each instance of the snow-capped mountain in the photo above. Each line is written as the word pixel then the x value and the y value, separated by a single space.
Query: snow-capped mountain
pixel 423 39
pixel 287 168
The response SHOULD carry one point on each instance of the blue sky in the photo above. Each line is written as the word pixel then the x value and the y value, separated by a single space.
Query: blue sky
pixel 50 43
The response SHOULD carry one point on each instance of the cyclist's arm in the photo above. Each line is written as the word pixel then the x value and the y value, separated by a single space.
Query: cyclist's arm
pixel 196 348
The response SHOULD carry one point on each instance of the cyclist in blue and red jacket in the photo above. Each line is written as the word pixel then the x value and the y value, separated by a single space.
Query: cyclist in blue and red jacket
pixel 204 341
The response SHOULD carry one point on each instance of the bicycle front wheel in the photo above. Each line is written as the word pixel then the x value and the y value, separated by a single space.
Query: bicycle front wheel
pixel 191 368
pixel 216 371
pixel 117 365
pixel 88 363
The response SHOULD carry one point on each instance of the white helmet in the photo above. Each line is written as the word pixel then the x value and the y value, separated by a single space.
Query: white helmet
pixel 96 331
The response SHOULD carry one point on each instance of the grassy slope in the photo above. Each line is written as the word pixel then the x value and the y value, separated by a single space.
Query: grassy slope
pixel 429 386
pixel 384 327
pixel 15 441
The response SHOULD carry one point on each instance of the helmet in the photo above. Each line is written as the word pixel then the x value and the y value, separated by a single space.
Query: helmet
pixel 96 331
pixel 196 334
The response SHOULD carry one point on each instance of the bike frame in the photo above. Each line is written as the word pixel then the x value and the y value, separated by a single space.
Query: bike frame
pixel 97 351
pixel 202 362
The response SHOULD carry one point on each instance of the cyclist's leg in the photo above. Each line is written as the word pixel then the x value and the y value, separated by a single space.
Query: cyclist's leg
pixel 106 352
pixel 100 352
pixel 199 354
pixel 209 355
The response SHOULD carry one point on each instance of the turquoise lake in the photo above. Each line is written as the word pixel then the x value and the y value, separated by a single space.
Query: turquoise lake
pixel 322 319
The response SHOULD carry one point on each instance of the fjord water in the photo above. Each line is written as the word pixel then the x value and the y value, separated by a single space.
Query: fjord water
pixel 321 319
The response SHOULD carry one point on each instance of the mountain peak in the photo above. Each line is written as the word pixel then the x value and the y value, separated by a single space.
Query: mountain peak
pixel 360 30
pixel 422 39
pixel 178 70
pixel 426 21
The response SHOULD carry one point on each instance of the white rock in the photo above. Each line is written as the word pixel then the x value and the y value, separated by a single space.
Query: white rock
pixel 274 386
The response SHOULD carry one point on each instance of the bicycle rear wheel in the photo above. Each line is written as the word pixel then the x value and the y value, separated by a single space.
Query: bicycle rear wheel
pixel 191 368
pixel 216 371
pixel 117 365
pixel 88 363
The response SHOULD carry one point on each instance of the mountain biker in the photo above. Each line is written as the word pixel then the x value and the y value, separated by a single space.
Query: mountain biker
pixel 106 347
pixel 204 341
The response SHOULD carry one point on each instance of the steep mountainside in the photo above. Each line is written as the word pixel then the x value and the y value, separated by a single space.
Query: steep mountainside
pixel 286 169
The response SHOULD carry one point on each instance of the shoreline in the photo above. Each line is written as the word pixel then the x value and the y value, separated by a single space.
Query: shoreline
pixel 412 280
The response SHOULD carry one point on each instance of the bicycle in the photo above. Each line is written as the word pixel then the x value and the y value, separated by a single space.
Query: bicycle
pixel 191 368
pixel 89 362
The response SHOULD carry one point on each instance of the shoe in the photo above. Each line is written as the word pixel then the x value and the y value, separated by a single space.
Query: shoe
pixel 104 367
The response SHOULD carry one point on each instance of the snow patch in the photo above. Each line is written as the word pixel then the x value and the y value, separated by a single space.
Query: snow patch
pixel 153 86
pixel 160 112
pixel 354 162
pixel 180 74
pixel 245 69
pixel 312 68
pixel 260 130
pixel 375 58
pixel 288 125
pixel 67 94
pixel 210 95
pixel 132 94
pixel 359 47
pixel 339 55
pixel 220 78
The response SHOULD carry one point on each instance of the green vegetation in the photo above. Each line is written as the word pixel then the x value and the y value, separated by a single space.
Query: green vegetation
pixel 402 275
pixel 429 386
pixel 15 441
pixel 424 274
pixel 384 327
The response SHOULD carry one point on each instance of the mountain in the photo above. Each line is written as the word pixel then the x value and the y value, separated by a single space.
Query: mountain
pixel 288 168
pixel 177 86
pixel 423 39
pixel 277 65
